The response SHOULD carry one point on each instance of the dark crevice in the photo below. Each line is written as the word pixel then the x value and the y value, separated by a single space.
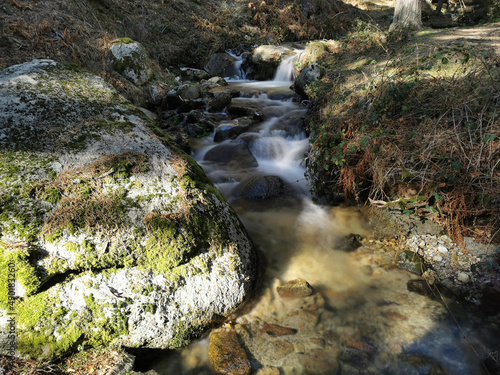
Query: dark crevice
pixel 60 278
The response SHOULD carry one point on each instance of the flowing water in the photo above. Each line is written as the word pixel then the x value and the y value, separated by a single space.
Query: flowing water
pixel 360 318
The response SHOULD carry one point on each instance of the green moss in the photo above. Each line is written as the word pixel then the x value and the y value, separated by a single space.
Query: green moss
pixel 15 262
pixel 186 333
pixel 38 315
pixel 71 246
pixel 123 40
pixel 53 237
pixel 166 247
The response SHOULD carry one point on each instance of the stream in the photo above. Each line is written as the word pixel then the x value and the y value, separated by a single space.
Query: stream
pixel 360 317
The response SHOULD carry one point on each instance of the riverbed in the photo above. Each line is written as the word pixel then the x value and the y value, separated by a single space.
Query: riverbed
pixel 360 317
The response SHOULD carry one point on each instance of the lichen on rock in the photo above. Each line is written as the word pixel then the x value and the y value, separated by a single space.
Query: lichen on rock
pixel 130 59
pixel 117 236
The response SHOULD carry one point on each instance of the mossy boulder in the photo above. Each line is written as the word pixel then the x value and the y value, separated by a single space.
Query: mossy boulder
pixel 310 74
pixel 108 232
pixel 266 59
pixel 130 59
pixel 314 51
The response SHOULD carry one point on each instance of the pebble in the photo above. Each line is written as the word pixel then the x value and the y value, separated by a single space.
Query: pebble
pixel 275 330
pixel 463 277
pixel 442 249
pixel 295 288
pixel 268 371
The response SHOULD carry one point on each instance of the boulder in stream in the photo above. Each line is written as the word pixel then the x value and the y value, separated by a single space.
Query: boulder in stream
pixel 311 73
pixel 234 155
pixel 266 59
pixel 222 65
pixel 261 188
pixel 114 234
pixel 232 129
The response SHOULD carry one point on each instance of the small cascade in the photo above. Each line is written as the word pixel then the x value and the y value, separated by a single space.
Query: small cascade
pixel 285 72
pixel 240 72
pixel 361 316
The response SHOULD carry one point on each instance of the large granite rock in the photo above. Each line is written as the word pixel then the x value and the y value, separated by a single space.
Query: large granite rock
pixel 130 59
pixel 108 232
pixel 266 59
pixel 222 65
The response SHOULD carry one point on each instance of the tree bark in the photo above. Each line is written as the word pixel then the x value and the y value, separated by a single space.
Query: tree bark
pixel 407 16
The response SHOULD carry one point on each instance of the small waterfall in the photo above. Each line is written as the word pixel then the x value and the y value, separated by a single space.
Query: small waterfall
pixel 240 72
pixel 285 72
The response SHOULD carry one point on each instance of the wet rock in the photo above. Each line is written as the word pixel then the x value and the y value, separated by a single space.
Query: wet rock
pixel 395 316
pixel 195 130
pixel 213 82
pixel 308 75
pixel 280 348
pixel 282 94
pixel 295 289
pixel 219 102
pixel 411 262
pixel 346 369
pixel 418 364
pixel 420 287
pixel 130 59
pixel 268 371
pixel 171 100
pixel 349 243
pixel 266 59
pixel 248 138
pixel 231 129
pixel 194 75
pixel 275 330
pixel 234 155
pixel 189 105
pixel 227 354
pixel 261 188
pixel 189 92
pixel 319 362
pixel 292 124
pixel 363 346
pixel 354 357
pixel 221 65
pixel 241 108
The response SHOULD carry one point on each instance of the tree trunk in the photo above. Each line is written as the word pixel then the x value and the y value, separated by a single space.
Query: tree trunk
pixel 407 16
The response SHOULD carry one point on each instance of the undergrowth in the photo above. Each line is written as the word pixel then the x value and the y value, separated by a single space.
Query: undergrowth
pixel 416 129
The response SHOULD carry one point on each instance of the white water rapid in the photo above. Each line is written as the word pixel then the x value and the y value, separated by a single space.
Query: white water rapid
pixel 360 318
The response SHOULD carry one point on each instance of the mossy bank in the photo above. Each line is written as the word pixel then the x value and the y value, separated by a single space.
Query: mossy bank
pixel 116 236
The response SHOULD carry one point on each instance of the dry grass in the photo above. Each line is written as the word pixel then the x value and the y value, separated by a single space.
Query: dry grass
pixel 416 127
pixel 81 198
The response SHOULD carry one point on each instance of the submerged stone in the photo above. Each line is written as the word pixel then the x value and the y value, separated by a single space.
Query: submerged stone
pixel 275 330
pixel 295 289
pixel 262 187
pixel 226 353
pixel 412 262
